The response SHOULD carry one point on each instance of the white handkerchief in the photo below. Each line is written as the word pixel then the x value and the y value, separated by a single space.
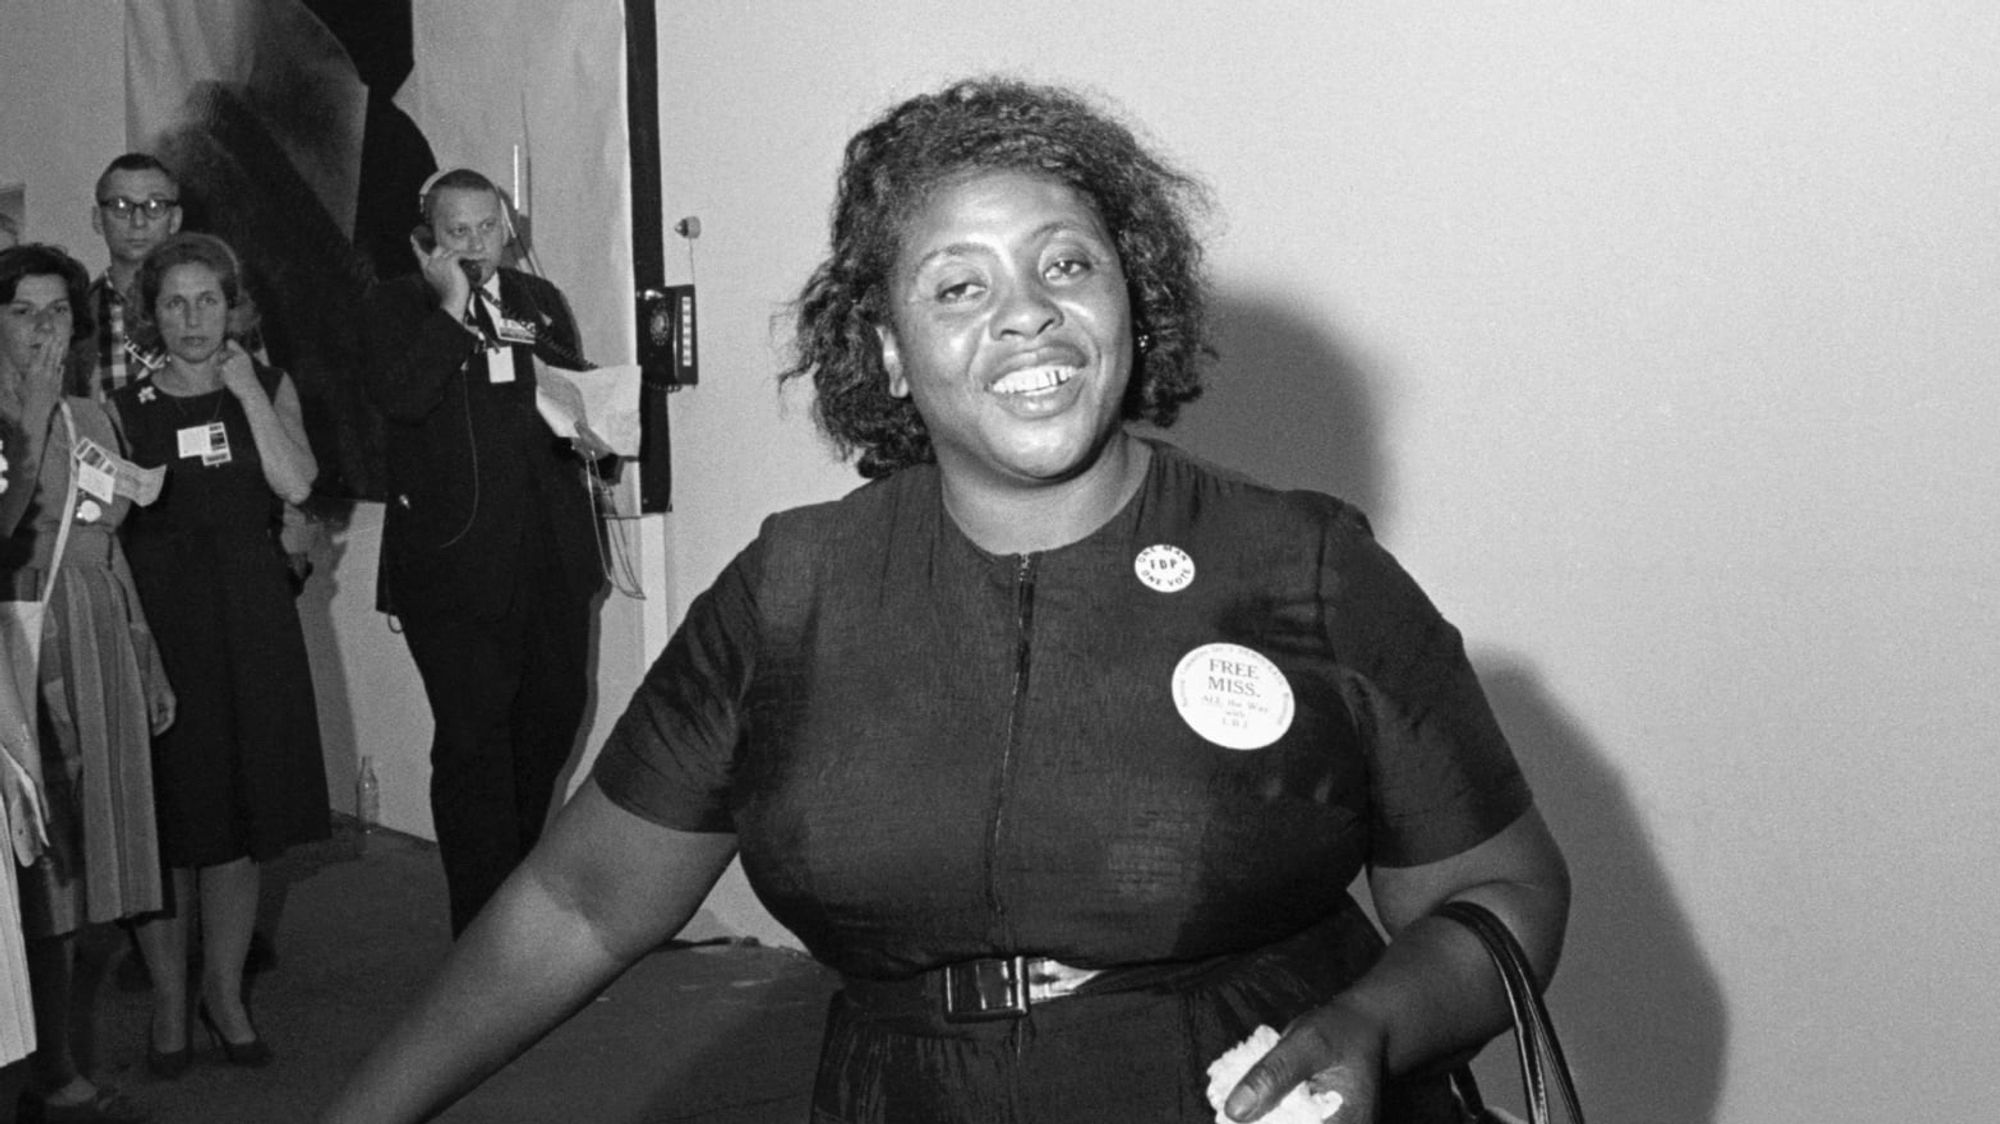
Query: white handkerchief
pixel 1300 1106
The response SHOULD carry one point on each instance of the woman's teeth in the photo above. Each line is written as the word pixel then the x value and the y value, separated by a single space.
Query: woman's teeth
pixel 1034 379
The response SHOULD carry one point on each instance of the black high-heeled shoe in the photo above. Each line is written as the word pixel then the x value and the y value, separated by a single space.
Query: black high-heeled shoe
pixel 253 1054
pixel 169 1064
pixel 104 1106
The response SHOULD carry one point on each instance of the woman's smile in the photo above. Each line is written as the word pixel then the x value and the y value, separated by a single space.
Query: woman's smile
pixel 1034 378
pixel 1010 329
pixel 1035 381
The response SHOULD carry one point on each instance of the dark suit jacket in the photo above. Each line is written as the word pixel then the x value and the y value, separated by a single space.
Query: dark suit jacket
pixel 478 484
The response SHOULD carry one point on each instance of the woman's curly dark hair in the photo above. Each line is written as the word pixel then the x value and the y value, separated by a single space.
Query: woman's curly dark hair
pixel 39 259
pixel 994 124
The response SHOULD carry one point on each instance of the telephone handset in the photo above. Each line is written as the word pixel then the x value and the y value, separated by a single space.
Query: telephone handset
pixel 545 344
pixel 427 241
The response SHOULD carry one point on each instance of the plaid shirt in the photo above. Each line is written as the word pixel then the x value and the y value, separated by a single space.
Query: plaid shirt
pixel 119 360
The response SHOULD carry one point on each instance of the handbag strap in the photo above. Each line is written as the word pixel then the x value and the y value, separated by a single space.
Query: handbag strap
pixel 69 504
pixel 1535 1040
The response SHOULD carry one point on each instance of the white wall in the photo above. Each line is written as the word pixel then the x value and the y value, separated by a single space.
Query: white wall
pixel 1658 338
pixel 65 117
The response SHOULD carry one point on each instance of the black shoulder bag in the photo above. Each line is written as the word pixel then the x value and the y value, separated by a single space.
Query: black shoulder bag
pixel 1541 1055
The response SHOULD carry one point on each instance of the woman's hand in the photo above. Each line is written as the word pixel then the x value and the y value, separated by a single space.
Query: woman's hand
pixel 1432 997
pixel 161 705
pixel 239 374
pixel 43 386
pixel 1333 1048
pixel 27 810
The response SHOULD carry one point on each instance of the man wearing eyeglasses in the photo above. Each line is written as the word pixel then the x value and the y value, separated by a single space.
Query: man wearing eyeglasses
pixel 138 206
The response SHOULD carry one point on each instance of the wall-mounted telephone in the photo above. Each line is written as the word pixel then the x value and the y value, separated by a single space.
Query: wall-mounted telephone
pixel 667 352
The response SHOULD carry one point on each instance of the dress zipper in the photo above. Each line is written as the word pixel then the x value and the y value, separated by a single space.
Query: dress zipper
pixel 1024 622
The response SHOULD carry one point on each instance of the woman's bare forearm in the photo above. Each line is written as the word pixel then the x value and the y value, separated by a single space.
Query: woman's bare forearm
pixel 601 890
pixel 523 968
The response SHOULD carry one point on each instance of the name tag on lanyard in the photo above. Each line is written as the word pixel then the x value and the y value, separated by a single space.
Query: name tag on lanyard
pixel 96 475
pixel 106 475
pixel 515 331
pixel 210 442
pixel 499 364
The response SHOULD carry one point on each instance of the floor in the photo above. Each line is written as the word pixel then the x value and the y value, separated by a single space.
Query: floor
pixel 706 1034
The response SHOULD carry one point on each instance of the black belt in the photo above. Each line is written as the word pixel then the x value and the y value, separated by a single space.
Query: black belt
pixel 1003 988
pixel 998 988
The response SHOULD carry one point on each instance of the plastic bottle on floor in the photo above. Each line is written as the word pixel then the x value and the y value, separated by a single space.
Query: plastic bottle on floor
pixel 367 795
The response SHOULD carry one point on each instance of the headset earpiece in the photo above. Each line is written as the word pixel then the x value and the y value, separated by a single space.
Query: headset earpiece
pixel 507 220
pixel 430 183
pixel 424 192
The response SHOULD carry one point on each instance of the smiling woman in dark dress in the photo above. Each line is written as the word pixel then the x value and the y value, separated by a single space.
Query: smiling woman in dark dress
pixel 1046 699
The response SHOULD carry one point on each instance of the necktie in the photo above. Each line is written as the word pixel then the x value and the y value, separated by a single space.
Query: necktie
pixel 479 318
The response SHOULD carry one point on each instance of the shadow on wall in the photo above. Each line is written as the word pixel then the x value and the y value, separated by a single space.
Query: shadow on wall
pixel 308 278
pixel 1641 1015
pixel 1287 404
pixel 1643 1019
pixel 339 740
pixel 593 706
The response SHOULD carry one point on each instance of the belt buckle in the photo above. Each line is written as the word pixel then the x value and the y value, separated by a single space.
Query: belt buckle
pixel 977 991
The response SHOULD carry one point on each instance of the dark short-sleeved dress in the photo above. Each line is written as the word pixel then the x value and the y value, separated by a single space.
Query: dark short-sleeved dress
pixel 240 772
pixel 1164 750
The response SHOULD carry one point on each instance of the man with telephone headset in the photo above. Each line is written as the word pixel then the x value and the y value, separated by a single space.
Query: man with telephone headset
pixel 490 555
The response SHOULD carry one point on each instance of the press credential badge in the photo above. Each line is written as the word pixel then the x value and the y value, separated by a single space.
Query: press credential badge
pixel 209 442
pixel 106 475
pixel 94 473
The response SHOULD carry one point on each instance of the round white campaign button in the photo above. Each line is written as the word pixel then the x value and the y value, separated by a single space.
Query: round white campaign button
pixel 1233 696
pixel 89 512
pixel 1164 568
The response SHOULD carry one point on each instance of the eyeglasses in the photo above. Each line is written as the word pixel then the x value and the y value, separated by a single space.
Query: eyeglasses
pixel 124 209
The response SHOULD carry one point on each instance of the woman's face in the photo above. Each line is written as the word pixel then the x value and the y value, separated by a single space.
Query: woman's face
pixel 38 317
pixel 192 312
pixel 1009 328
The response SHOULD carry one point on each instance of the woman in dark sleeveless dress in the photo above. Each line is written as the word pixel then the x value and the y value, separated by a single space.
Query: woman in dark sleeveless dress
pixel 239 776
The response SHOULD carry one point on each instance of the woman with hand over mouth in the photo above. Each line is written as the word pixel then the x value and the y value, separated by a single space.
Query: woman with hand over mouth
pixel 98 691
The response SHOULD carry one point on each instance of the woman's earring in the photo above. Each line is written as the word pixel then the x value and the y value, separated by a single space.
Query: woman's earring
pixel 1145 341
